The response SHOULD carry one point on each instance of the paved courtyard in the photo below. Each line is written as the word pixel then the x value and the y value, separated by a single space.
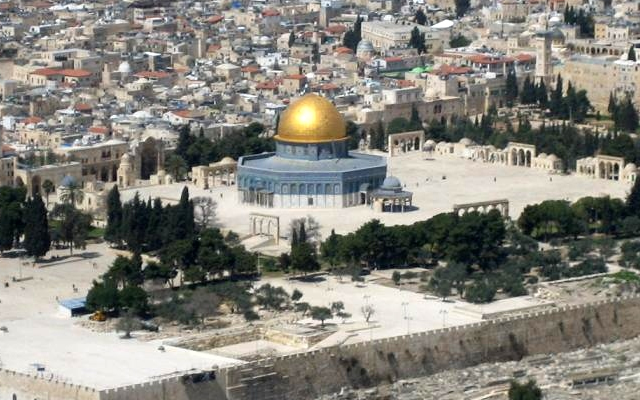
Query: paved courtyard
pixel 466 181
pixel 38 334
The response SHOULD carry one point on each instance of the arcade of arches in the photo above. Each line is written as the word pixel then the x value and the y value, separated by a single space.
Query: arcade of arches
pixel 264 224
pixel 483 207
pixel 405 142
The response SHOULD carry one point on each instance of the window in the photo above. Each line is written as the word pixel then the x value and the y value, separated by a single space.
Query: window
pixel 309 201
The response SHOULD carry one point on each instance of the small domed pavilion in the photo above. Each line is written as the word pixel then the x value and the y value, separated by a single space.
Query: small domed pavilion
pixel 390 197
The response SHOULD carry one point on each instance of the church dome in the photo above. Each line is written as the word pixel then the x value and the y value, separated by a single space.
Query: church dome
pixel 364 45
pixel 311 119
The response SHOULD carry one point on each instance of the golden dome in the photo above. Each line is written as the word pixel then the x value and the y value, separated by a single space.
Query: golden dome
pixel 311 119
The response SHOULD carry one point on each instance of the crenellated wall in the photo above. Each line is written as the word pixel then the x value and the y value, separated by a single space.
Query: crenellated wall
pixel 25 386
pixel 308 375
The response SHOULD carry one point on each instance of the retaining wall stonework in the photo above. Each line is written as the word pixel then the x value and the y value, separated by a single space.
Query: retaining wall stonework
pixel 309 375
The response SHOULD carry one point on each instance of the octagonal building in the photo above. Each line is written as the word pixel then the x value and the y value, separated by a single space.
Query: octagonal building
pixel 312 165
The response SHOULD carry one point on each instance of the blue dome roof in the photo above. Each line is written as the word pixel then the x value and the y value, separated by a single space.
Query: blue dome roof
pixel 364 45
pixel 391 183
pixel 68 180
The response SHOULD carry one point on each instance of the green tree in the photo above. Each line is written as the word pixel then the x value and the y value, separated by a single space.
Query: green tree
pixel 511 87
pixel 71 193
pixel 103 296
pixel 304 258
pixel 461 7
pixel 48 188
pixel 321 314
pixel 631 55
pixel 72 225
pixel 37 240
pixel 292 39
pixel 420 17
pixel 459 40
pixel 134 299
pixel 176 166
pixel 113 230
pixel 329 249
pixel 527 391
pixel 417 40
pixel 633 199
pixel 555 102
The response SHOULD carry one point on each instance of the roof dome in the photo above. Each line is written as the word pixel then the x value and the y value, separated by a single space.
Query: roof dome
pixel 311 119
pixel 124 68
pixel 364 45
pixel 227 160
pixel 466 141
pixel 125 159
pixel 631 167
pixel 68 180
pixel 391 183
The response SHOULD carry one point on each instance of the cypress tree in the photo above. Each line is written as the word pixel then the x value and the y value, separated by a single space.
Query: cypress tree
pixel 611 108
pixel 292 39
pixel 631 56
pixel 37 240
pixel 512 87
pixel 555 103
pixel 302 237
pixel 114 217
pixel 633 200
pixel 541 95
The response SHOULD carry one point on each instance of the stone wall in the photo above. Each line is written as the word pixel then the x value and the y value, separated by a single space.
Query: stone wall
pixel 308 375
pixel 28 387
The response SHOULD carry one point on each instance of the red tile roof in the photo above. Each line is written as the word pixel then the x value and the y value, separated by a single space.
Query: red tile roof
pixel 82 107
pixel 270 13
pixel 522 57
pixel 452 70
pixel 182 113
pixel 215 19
pixel 47 72
pixel 251 68
pixel 297 77
pixel 99 130
pixel 393 59
pixel 32 120
pixel 484 59
pixel 266 86
pixel 344 50
pixel 403 83
pixel 328 86
pixel 336 29
pixel 75 73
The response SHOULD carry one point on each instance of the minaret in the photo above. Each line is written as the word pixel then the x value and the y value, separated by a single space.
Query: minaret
pixel 544 68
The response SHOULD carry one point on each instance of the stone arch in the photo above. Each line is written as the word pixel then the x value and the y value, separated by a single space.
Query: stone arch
pixel 149 158
pixel 528 158
pixel 521 157
pixel 514 157
pixel 36 185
